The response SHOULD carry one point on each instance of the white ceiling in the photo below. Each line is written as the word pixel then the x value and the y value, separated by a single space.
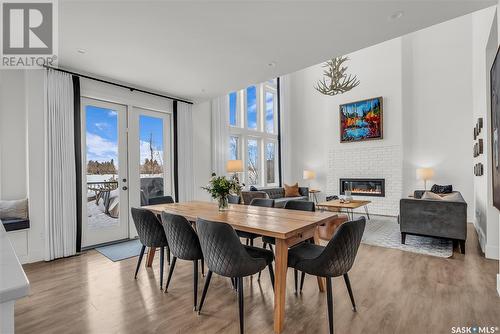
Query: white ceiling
pixel 202 49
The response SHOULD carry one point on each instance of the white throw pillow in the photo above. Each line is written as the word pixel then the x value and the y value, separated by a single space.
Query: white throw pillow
pixel 431 195
pixel 16 209
pixel 453 197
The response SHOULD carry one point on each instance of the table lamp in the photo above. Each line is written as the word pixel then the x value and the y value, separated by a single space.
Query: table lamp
pixel 425 174
pixel 234 166
pixel 309 175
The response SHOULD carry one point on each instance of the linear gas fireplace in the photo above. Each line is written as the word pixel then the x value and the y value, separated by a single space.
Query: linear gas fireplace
pixel 363 187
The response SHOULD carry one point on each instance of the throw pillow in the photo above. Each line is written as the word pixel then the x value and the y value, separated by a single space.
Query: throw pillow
pixel 16 209
pixel 453 197
pixel 431 195
pixel 437 189
pixel 252 188
pixel 292 191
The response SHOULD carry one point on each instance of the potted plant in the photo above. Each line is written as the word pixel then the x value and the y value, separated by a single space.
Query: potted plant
pixel 220 187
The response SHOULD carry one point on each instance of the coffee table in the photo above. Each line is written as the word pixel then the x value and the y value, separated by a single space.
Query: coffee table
pixel 337 205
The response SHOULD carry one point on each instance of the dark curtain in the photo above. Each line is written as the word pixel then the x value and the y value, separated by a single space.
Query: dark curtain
pixel 176 162
pixel 78 160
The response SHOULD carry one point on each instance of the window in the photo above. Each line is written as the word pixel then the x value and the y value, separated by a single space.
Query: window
pixel 233 108
pixel 253 127
pixel 234 150
pixel 252 108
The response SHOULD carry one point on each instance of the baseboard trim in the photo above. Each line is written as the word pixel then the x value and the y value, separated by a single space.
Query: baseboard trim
pixel 491 252
pixel 498 284
pixel 481 236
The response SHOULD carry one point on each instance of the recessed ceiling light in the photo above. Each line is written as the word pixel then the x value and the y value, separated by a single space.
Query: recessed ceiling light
pixel 396 15
pixel 272 64
pixel 81 51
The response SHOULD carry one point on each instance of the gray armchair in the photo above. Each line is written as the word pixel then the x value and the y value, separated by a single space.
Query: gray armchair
pixel 435 218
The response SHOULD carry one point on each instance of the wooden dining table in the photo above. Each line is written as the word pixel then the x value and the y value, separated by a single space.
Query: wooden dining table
pixel 288 227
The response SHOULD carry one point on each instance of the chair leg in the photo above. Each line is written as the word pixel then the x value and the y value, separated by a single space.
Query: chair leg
pixel 271 274
pixel 295 279
pixel 205 288
pixel 348 284
pixel 162 262
pixel 271 248
pixel 329 298
pixel 403 237
pixel 139 260
pixel 302 277
pixel 462 246
pixel 258 277
pixel 170 272
pixel 240 304
pixel 247 241
pixel 202 267
pixel 251 242
pixel 195 283
pixel 168 255
pixel 264 245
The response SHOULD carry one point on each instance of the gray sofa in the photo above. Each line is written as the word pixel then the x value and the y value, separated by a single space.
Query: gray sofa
pixel 435 218
pixel 277 193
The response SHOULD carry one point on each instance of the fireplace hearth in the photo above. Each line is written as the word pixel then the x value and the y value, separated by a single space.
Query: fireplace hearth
pixel 363 187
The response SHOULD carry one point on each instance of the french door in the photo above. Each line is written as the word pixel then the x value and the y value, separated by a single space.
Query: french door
pixel 126 160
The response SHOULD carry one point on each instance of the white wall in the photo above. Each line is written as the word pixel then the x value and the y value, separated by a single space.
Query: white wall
pixel 13 165
pixel 315 121
pixel 425 80
pixel 485 40
pixel 21 154
pixel 437 81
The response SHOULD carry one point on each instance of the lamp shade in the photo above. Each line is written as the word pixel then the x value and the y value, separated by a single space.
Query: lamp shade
pixel 234 166
pixel 309 174
pixel 425 173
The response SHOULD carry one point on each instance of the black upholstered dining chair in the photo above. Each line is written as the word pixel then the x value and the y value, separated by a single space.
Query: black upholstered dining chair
pixel 226 256
pixel 151 234
pixel 184 245
pixel 250 237
pixel 333 260
pixel 160 200
pixel 290 205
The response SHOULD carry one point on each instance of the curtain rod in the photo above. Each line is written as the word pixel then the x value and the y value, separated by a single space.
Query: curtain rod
pixel 117 84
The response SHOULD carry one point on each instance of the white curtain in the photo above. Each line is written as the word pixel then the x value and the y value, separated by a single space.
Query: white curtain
pixel 285 129
pixel 185 151
pixel 60 173
pixel 220 134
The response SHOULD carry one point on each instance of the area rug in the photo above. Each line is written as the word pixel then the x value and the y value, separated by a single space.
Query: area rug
pixel 385 232
pixel 122 250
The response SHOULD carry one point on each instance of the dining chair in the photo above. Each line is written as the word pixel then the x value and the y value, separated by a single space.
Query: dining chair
pixel 333 260
pixel 151 234
pixel 160 200
pixel 248 236
pixel 290 205
pixel 184 244
pixel 226 256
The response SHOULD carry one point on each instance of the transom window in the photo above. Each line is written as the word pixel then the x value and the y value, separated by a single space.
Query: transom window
pixel 253 123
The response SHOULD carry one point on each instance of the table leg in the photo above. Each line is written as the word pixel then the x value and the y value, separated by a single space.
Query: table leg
pixel 367 214
pixel 321 280
pixel 281 258
pixel 151 256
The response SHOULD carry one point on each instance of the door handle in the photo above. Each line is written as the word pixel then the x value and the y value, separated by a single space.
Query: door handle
pixel 124 188
pixel 124 180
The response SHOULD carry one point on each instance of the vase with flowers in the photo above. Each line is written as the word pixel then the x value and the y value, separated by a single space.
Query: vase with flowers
pixel 220 188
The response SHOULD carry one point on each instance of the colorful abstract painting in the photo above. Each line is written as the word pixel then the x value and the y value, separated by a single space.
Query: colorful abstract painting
pixel 361 120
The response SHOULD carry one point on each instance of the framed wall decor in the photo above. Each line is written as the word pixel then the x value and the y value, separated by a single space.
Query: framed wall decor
pixel 361 120
pixel 495 128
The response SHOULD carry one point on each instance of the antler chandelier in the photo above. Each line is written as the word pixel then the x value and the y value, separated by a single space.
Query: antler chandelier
pixel 335 80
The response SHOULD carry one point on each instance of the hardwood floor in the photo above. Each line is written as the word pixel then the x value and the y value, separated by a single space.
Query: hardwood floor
pixel 395 292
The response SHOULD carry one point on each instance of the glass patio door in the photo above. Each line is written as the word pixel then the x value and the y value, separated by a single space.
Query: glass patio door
pixel 150 163
pixel 105 172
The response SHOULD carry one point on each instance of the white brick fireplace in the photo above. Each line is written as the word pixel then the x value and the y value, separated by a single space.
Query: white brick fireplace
pixel 382 162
